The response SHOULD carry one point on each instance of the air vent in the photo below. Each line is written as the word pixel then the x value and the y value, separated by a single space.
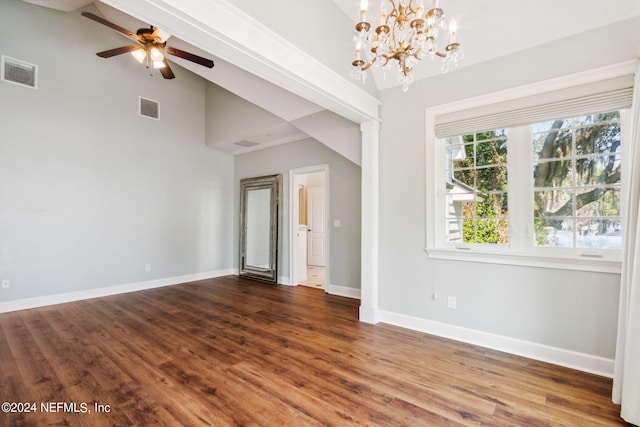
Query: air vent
pixel 149 108
pixel 19 72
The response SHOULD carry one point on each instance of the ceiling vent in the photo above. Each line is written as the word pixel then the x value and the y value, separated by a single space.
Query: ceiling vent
pixel 19 72
pixel 149 108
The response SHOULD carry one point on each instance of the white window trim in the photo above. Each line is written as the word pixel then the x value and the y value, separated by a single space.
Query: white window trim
pixel 516 252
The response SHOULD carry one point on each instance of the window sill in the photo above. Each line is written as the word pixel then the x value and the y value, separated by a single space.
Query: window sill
pixel 587 262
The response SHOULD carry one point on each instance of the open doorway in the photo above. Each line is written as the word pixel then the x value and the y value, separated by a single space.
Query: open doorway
pixel 309 226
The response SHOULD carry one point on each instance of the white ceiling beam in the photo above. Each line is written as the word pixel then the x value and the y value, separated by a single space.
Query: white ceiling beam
pixel 220 28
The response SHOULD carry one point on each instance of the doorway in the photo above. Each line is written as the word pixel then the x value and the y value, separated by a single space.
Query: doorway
pixel 309 226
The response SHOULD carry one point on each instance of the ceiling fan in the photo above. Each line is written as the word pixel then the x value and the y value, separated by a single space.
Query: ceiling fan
pixel 151 48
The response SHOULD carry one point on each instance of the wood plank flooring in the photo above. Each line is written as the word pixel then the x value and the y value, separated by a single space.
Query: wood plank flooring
pixel 230 351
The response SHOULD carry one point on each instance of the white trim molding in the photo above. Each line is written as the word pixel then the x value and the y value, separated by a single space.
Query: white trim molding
pixel 558 356
pixel 370 222
pixel 285 281
pixel 43 301
pixel 343 291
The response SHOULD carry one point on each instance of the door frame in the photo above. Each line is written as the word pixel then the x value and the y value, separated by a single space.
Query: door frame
pixel 293 222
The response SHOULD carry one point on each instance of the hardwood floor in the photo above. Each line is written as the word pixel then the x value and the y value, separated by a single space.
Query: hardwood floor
pixel 230 351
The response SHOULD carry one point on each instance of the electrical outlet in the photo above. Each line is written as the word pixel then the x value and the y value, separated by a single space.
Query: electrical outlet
pixel 147 267
pixel 451 302
pixel 6 284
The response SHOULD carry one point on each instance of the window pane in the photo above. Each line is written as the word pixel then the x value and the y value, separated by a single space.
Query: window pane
pixel 468 210
pixel 491 153
pixel 553 174
pixel 596 118
pixel 465 178
pixel 599 202
pixel 476 188
pixel 576 188
pixel 555 144
pixel 598 170
pixel 598 139
pixel 551 124
pixel 599 234
pixel 454 230
pixel 560 236
pixel 458 155
pixel 553 203
pixel 486 231
pixel 492 178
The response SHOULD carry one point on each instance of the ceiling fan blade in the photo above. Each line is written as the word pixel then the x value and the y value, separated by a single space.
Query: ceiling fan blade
pixel 112 25
pixel 189 56
pixel 118 51
pixel 166 70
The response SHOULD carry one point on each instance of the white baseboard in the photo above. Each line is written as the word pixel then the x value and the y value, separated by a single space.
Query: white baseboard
pixel 557 356
pixel 368 315
pixel 285 280
pixel 343 291
pixel 43 301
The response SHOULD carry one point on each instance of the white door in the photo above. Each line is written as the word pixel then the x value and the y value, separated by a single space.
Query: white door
pixel 316 253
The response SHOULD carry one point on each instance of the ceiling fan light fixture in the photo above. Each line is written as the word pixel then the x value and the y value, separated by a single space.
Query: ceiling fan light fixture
pixel 151 48
pixel 156 55
pixel 139 54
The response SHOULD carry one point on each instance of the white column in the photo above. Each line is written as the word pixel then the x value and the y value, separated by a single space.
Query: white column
pixel 370 218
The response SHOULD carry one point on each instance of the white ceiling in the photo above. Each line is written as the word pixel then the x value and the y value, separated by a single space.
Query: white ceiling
pixel 489 29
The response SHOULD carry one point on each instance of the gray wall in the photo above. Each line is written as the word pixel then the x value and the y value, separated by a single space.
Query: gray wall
pixel 344 201
pixel 89 190
pixel 567 309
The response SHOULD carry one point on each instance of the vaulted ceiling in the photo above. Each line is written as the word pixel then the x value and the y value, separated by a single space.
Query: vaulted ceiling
pixel 292 58
pixel 489 29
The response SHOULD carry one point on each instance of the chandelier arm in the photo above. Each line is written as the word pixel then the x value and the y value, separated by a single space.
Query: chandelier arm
pixel 387 58
pixel 366 67
pixel 394 12
pixel 410 7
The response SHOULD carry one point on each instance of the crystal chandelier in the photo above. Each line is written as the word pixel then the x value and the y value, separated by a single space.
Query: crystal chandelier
pixel 406 33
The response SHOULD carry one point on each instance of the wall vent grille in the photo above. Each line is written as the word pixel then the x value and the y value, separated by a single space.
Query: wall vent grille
pixel 149 108
pixel 19 72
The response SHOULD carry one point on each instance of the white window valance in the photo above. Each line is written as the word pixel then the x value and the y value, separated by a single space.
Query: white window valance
pixel 600 96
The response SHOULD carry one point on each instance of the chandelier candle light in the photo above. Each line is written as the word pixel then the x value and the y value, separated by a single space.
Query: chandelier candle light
pixel 406 34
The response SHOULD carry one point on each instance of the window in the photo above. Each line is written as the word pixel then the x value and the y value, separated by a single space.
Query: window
pixel 532 180
pixel 576 182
